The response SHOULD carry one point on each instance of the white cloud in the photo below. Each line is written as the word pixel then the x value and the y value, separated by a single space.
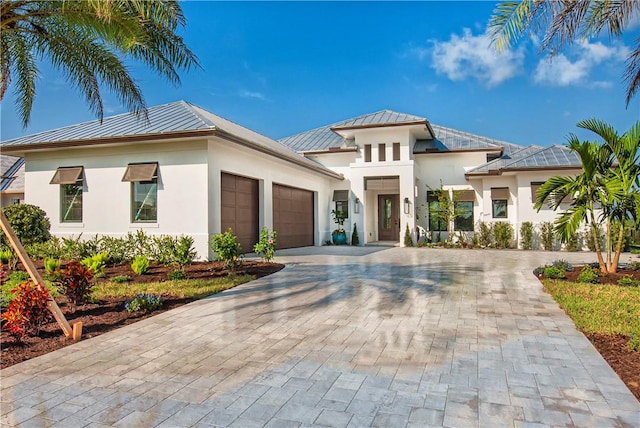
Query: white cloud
pixel 251 94
pixel 559 70
pixel 470 56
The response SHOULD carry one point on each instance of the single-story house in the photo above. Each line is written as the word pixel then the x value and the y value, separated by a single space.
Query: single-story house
pixel 11 180
pixel 189 171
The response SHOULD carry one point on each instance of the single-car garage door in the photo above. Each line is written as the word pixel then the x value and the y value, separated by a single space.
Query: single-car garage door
pixel 293 216
pixel 240 209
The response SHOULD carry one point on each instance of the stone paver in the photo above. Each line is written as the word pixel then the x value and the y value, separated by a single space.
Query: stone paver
pixel 342 337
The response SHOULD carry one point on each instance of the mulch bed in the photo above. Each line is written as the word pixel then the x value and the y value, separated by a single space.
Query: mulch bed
pixel 604 278
pixel 109 314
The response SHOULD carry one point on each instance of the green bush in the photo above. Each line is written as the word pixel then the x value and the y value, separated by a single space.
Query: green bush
pixel 503 233
pixel 562 264
pixel 628 281
pixel 588 275
pixel 408 240
pixel 266 246
pixel 52 249
pixel 526 232
pixel 29 222
pixel 96 263
pixel 546 235
pixel 18 276
pixel 6 256
pixel 183 251
pixel 355 239
pixel 144 302
pixel 227 249
pixel 554 272
pixel 485 238
pixel 51 265
pixel 120 279
pixel 175 275
pixel 140 265
pixel 573 244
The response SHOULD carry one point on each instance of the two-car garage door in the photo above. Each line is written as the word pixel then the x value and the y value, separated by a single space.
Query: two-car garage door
pixel 292 212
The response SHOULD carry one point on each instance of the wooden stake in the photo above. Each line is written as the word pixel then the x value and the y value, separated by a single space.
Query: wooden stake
pixel 77 331
pixel 33 273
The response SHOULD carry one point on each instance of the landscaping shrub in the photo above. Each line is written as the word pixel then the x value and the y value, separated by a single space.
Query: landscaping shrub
pixel 120 250
pixel 18 276
pixel 28 310
pixel 562 264
pixel 96 263
pixel 51 265
pixel 554 272
pixel 355 239
pixel 503 233
pixel 227 249
pixel 526 232
pixel 29 222
pixel 546 235
pixel 591 237
pixel 588 275
pixel 144 302
pixel 75 281
pixel 628 281
pixel 140 265
pixel 184 253
pixel 266 246
pixel 120 279
pixel 408 240
pixel 160 249
pixel 573 244
pixel 5 256
pixel 634 265
pixel 51 249
pixel 176 274
pixel 485 238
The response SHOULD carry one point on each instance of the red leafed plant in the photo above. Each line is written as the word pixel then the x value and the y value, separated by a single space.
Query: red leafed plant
pixel 75 281
pixel 28 310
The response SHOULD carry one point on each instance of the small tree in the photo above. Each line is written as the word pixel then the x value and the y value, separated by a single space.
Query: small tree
pixel 408 240
pixel 355 239
pixel 526 232
pixel 29 222
pixel 503 232
pixel 546 234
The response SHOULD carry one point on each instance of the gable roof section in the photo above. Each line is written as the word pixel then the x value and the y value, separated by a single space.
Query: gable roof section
pixel 379 118
pixel 449 139
pixel 178 119
pixel 531 157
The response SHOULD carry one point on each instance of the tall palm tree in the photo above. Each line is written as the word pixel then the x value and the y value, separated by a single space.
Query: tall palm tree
pixel 610 180
pixel 90 42
pixel 561 22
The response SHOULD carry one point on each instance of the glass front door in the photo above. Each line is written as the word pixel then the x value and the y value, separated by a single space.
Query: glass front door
pixel 388 218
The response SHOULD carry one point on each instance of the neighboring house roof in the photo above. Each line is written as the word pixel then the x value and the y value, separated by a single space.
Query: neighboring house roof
pixel 11 174
pixel 531 157
pixel 178 119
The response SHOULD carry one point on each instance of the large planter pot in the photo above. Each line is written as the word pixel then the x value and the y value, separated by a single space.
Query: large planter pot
pixel 339 237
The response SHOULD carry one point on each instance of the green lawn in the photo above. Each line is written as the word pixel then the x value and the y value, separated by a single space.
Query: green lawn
pixel 608 309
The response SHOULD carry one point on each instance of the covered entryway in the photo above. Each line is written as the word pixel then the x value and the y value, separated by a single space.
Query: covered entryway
pixel 241 208
pixel 388 218
pixel 293 220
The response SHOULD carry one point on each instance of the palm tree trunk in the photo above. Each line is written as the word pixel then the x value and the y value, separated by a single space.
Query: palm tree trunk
pixel 616 257
pixel 608 242
pixel 596 243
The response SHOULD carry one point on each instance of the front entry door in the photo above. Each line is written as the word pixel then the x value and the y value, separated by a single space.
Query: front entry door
pixel 388 218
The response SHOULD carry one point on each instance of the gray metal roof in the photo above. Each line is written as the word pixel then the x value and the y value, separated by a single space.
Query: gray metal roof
pixel 164 120
pixel 11 173
pixel 382 117
pixel 448 139
pixel 551 157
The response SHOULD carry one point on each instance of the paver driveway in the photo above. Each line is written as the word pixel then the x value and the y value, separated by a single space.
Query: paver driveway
pixel 341 337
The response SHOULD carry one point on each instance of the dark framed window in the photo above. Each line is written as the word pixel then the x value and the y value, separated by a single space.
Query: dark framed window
pixel 71 203
pixel 367 152
pixel 436 223
pixel 499 208
pixel 382 152
pixel 396 151
pixel 144 191
pixel 464 216
pixel 344 207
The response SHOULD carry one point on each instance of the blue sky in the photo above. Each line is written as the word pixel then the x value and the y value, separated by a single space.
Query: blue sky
pixel 282 68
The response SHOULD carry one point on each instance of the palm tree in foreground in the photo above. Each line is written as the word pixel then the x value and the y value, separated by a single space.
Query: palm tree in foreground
pixel 609 182
pixel 89 41
pixel 562 22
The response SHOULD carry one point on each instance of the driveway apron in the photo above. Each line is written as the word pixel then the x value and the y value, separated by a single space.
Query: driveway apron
pixel 341 337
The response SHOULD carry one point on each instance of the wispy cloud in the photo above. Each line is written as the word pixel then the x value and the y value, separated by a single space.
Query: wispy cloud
pixel 472 56
pixel 563 70
pixel 251 94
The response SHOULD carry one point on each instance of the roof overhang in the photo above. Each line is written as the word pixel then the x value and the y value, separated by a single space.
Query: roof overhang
pixel 379 125
pixel 492 172
pixel 330 150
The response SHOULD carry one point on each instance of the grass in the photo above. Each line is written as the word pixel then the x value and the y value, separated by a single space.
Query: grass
pixel 189 288
pixel 608 309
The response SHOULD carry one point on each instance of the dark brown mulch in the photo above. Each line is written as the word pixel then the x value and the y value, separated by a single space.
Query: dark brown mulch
pixel 625 362
pixel 109 314
pixel 604 278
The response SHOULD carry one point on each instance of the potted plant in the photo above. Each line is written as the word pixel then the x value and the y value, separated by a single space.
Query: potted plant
pixel 339 235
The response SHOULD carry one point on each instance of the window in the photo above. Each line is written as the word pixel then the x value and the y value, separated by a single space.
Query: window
pixel 341 199
pixel 15 201
pixel 499 200
pixel 464 216
pixel 396 151
pixel 367 152
pixel 436 223
pixel 144 192
pixel 382 152
pixel 535 185
pixel 71 183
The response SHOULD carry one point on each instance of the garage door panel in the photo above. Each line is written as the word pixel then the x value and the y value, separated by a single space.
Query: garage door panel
pixel 293 216
pixel 240 208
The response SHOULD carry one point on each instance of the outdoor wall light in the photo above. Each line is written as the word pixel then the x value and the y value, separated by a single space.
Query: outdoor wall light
pixel 407 205
pixel 356 206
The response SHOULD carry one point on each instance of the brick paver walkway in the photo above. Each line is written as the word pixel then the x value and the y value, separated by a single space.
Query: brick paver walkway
pixel 341 337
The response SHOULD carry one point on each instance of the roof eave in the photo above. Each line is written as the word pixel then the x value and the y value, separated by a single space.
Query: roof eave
pixel 329 150
pixel 378 125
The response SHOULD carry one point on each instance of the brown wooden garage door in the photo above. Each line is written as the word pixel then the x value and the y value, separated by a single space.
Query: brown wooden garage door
pixel 293 216
pixel 240 209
